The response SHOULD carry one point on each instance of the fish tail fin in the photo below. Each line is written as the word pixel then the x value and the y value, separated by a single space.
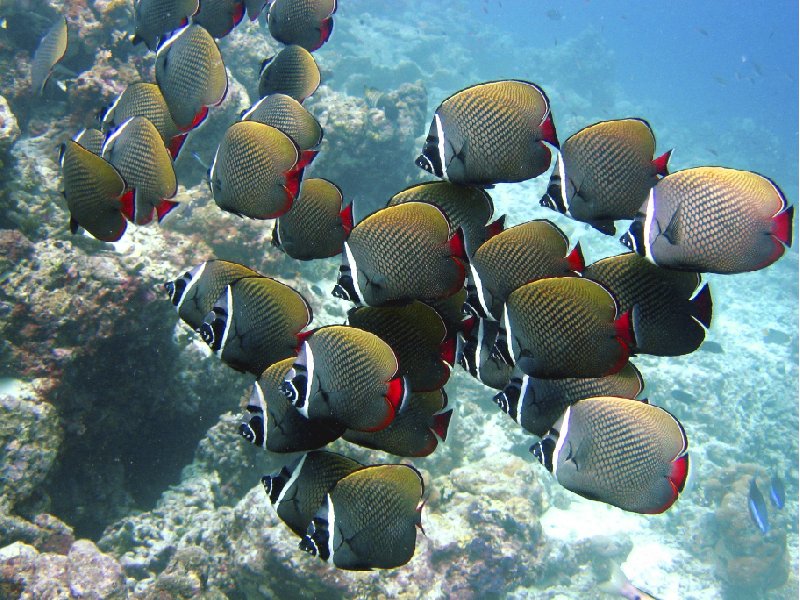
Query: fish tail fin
pixel 623 328
pixel 447 350
pixel 128 205
pixel 679 472
pixel 457 247
pixel 347 218
pixel 575 259
pixel 495 227
pixel 548 129
pixel 325 31
pixel 397 394
pixel 702 306
pixel 238 13
pixel 441 422
pixel 782 225
pixel 164 208
pixel 661 163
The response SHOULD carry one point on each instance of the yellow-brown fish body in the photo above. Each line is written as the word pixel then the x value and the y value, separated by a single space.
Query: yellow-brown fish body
pixel 93 190
pixel 274 424
pixel 399 254
pixel 287 114
pixel 604 172
pixel 490 133
pixel 536 404
pixel 369 519
pixel 256 171
pixel 467 207
pixel 156 18
pixel 191 75
pixel 418 337
pixel 298 490
pixel 194 293
pixel 520 254
pixel 219 17
pixel 292 71
pixel 668 317
pixel 137 151
pixel 315 226
pixel 255 323
pixel 92 140
pixel 415 431
pixel 564 327
pixel 347 375
pixel 307 23
pixel 145 100
pixel 475 352
pixel 50 51
pixel 622 452
pixel 713 220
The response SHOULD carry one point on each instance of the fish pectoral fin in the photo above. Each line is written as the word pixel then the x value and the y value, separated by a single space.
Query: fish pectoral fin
pixel 672 232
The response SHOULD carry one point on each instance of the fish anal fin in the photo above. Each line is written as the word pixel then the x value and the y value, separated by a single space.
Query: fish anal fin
pixel 201 116
pixel 164 208
pixel 175 145
pixel 605 226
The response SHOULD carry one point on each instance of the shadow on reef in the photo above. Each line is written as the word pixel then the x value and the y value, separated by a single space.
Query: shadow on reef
pixel 126 435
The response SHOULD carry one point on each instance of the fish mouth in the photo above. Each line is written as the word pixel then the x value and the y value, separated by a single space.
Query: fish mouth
pixel 544 449
pixel 213 328
pixel 508 399
pixel 552 200
pixel 423 163
pixel 633 239
pixel 345 288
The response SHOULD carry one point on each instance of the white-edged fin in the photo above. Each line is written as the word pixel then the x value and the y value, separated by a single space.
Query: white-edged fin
pixel 195 275
pixel 167 42
pixel 111 139
pixel 291 480
pixel 562 436
pixel 509 335
pixel 331 528
pixel 476 281
pixel 523 389
pixel 252 109
pixel 351 261
pixel 648 225
pixel 229 321
pixel 440 141
pixel 309 376
pixel 108 117
pixel 563 175
pixel 212 169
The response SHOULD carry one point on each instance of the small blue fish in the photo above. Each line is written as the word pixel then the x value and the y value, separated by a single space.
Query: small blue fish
pixel 758 507
pixel 777 492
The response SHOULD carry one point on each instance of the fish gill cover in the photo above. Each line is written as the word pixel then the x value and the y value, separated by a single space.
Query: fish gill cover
pixel 122 432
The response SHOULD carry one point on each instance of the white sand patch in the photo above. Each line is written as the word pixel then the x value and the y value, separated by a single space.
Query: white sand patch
pixel 655 564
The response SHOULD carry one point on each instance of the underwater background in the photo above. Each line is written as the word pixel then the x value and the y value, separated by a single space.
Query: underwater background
pixel 122 473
